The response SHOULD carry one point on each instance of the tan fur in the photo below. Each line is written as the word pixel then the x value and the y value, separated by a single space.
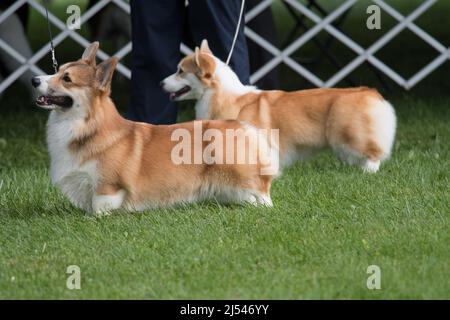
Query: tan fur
pixel 136 157
pixel 307 119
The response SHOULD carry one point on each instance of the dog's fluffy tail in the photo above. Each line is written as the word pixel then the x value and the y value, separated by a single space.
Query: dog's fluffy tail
pixel 384 124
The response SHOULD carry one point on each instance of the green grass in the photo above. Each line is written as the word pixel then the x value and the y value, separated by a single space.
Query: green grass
pixel 329 223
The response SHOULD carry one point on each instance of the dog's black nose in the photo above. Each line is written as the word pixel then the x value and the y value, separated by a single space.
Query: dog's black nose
pixel 35 82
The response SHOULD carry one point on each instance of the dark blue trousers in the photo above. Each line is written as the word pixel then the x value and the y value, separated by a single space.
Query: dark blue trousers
pixel 158 27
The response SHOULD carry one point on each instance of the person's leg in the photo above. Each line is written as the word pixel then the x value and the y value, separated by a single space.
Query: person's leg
pixel 216 21
pixel 263 25
pixel 156 37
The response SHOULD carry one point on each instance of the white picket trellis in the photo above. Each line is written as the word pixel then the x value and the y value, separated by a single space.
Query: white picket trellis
pixel 279 56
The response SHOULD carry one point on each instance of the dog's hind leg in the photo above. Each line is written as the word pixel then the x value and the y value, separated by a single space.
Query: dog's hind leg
pixel 102 204
pixel 265 200
pixel 368 140
pixel 370 166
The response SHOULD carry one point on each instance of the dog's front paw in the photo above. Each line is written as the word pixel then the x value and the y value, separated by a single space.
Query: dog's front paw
pixel 103 204
pixel 100 213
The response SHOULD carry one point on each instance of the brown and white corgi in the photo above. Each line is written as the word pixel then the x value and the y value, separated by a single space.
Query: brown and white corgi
pixel 357 123
pixel 102 161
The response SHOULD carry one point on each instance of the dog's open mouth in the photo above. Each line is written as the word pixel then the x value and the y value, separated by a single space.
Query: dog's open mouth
pixel 49 101
pixel 179 93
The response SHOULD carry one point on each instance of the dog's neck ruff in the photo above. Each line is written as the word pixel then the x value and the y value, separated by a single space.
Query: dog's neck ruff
pixel 228 84
pixel 229 81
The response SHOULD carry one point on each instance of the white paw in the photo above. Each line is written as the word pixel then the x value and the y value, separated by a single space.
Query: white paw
pixel 370 166
pixel 252 200
pixel 265 200
pixel 101 212
pixel 103 204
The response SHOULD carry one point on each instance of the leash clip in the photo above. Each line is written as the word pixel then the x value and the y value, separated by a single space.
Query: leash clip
pixel 55 63
pixel 52 47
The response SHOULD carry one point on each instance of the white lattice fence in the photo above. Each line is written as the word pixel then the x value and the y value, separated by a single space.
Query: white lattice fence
pixel 279 56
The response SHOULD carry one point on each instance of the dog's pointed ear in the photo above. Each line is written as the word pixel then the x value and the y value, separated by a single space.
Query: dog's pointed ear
pixel 90 53
pixel 197 56
pixel 204 47
pixel 104 73
pixel 205 63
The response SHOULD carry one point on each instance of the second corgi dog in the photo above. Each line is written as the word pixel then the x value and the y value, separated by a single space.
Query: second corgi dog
pixel 357 123
pixel 102 161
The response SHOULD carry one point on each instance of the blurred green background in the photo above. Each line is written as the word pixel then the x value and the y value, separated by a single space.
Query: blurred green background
pixel 406 54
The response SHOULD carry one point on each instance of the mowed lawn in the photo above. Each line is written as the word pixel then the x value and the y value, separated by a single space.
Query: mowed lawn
pixel 328 224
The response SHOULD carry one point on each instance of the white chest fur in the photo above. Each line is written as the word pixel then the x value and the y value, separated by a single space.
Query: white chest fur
pixel 203 105
pixel 75 179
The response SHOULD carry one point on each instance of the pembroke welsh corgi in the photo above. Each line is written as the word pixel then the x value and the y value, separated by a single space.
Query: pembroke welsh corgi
pixel 357 123
pixel 102 161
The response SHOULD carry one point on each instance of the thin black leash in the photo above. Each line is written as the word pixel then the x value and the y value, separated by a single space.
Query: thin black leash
pixel 52 47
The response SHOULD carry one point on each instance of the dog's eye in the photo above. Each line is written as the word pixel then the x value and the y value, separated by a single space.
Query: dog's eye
pixel 66 78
